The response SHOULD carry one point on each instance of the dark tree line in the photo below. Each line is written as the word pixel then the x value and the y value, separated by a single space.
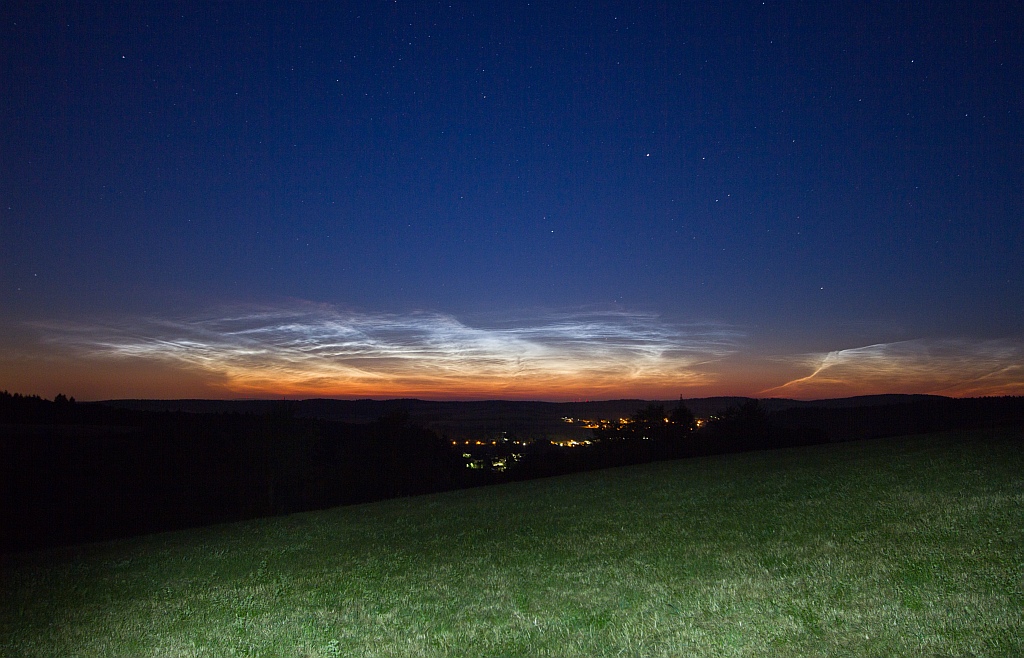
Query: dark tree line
pixel 651 423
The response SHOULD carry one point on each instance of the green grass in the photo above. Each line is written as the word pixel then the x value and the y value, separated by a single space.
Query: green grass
pixel 910 547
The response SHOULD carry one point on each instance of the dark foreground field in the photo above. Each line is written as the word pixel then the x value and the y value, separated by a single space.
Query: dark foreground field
pixel 911 546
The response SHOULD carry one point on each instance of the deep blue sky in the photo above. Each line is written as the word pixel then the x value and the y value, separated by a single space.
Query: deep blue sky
pixel 716 198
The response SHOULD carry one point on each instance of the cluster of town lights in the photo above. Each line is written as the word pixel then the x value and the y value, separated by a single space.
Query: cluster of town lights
pixel 501 463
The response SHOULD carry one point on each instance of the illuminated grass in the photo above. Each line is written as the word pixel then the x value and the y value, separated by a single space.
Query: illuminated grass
pixel 907 546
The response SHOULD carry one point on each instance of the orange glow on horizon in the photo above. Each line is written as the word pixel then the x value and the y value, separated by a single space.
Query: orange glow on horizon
pixel 93 380
pixel 315 351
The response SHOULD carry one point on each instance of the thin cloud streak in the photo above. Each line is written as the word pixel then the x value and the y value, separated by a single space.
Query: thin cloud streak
pixel 942 367
pixel 320 350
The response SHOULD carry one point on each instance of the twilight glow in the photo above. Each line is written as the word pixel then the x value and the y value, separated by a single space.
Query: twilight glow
pixel 310 350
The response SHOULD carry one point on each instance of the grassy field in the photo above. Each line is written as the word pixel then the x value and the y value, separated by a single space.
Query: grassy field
pixel 908 547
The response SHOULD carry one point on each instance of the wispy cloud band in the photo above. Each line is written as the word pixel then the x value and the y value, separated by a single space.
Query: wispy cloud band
pixel 306 349
pixel 320 350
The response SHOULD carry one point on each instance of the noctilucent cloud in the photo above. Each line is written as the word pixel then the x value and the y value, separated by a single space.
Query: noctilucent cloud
pixel 511 200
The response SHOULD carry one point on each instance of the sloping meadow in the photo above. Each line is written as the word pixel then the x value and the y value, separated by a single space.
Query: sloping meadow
pixel 909 546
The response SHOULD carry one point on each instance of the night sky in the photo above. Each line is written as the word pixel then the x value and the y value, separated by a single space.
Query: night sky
pixel 550 201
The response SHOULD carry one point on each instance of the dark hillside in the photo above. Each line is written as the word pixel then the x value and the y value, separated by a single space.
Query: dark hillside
pixel 918 415
pixel 73 472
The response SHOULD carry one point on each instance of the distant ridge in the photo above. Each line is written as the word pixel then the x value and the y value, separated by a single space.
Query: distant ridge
pixel 464 418
pixel 367 409
pixel 856 401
